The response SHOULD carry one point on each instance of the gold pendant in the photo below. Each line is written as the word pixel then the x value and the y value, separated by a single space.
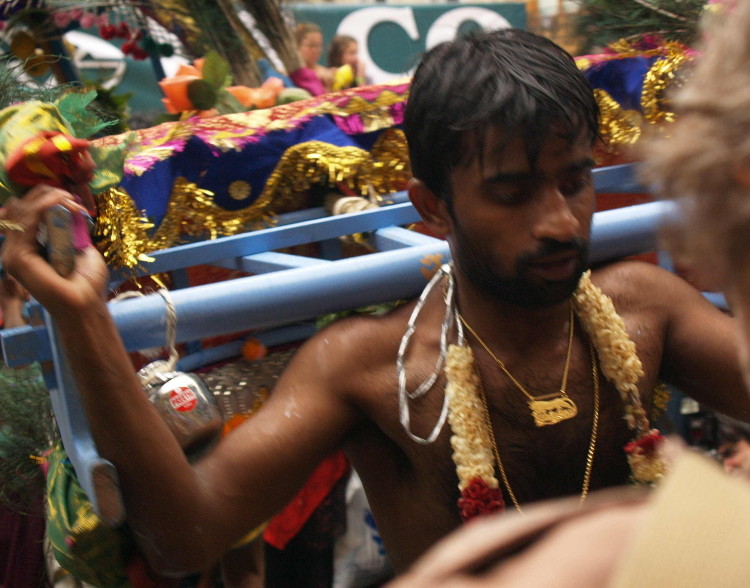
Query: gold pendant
pixel 552 411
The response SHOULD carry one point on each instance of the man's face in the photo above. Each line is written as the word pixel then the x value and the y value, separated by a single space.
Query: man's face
pixel 520 232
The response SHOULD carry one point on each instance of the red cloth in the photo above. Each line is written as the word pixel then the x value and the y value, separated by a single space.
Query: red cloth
pixel 284 526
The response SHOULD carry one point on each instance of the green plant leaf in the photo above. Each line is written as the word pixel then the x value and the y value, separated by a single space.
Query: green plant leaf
pixel 202 94
pixel 228 104
pixel 216 71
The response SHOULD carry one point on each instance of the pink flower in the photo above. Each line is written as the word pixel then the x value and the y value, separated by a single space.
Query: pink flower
pixel 62 19
pixel 88 20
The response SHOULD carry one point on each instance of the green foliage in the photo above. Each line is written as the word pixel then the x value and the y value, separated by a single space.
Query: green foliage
pixel 601 22
pixel 114 105
pixel 288 95
pixel 228 104
pixel 202 94
pixel 216 71
pixel 75 109
pixel 27 429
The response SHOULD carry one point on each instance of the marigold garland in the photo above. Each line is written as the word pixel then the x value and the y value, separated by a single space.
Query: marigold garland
pixel 619 362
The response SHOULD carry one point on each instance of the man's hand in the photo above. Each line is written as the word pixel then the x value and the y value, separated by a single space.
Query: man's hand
pixel 22 257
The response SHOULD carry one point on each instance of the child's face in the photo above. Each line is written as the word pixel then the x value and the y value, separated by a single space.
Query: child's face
pixel 311 47
pixel 350 54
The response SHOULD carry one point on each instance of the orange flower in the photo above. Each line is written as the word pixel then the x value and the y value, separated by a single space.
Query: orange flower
pixel 175 90
pixel 253 350
pixel 265 97
pixel 244 95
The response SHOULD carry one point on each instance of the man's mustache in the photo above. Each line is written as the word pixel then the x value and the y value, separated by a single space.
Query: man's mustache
pixel 552 247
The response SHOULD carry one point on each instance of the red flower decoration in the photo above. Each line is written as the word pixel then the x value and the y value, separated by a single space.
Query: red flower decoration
pixel 107 31
pixel 479 499
pixel 647 444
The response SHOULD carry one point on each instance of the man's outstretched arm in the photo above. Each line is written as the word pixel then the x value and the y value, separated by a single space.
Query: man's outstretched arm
pixel 183 516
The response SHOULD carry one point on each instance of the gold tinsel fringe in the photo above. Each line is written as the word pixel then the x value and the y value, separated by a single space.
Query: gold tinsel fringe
pixel 661 77
pixel 125 238
pixel 622 128
pixel 619 126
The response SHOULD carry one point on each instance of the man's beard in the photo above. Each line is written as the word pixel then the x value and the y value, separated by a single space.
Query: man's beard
pixel 518 288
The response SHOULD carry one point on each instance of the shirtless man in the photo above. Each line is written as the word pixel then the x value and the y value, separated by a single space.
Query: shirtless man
pixel 502 155
pixel 686 533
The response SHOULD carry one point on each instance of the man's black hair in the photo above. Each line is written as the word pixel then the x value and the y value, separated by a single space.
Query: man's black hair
pixel 509 78
pixel 730 431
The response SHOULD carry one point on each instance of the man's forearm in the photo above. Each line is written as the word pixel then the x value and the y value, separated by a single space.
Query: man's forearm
pixel 157 483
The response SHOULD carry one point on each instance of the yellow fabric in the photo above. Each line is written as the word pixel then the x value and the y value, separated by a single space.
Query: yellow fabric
pixel 697 532
pixel 343 78
pixel 19 123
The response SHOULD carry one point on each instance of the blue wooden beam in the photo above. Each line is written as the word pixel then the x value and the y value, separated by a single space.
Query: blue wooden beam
pixel 302 293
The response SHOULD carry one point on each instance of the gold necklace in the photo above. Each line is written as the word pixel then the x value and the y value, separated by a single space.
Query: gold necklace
pixel 592 443
pixel 547 409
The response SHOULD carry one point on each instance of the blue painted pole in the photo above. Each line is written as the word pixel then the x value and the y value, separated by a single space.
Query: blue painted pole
pixel 298 294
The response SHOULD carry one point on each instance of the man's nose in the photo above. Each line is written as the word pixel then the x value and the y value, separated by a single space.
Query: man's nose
pixel 555 217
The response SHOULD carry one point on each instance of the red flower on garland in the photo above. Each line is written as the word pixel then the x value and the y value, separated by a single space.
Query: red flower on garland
pixel 479 499
pixel 647 444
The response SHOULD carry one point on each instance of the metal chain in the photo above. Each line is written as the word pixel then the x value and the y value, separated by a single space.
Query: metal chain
pixel 592 443
pixel 449 319
pixel 501 365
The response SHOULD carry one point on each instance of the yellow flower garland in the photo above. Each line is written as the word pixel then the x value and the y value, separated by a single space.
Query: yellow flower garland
pixel 619 362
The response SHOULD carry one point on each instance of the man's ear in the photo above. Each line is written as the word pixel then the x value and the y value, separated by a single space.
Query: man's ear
pixel 433 210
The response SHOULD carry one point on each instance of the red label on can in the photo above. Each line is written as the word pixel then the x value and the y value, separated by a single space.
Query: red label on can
pixel 183 399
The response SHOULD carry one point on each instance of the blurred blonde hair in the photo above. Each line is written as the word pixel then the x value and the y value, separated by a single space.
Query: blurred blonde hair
pixel 703 159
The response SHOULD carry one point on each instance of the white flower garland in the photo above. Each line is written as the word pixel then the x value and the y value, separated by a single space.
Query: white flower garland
pixel 471 440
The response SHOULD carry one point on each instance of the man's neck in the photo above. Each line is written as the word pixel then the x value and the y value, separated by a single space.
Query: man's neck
pixel 501 323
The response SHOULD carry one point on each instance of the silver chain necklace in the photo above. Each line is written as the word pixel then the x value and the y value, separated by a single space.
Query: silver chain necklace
pixel 449 319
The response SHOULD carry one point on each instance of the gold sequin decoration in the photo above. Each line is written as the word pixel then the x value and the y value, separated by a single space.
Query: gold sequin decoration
pixel 391 166
pixel 314 162
pixel 618 126
pixel 239 190
pixel 121 230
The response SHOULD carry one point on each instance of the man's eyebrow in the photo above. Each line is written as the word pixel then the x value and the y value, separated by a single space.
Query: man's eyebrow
pixel 508 177
pixel 521 176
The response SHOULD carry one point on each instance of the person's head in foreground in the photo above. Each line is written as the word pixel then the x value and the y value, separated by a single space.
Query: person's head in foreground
pixel 704 163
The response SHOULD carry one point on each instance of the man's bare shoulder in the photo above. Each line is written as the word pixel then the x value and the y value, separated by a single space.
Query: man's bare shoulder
pixel 638 285
pixel 362 343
